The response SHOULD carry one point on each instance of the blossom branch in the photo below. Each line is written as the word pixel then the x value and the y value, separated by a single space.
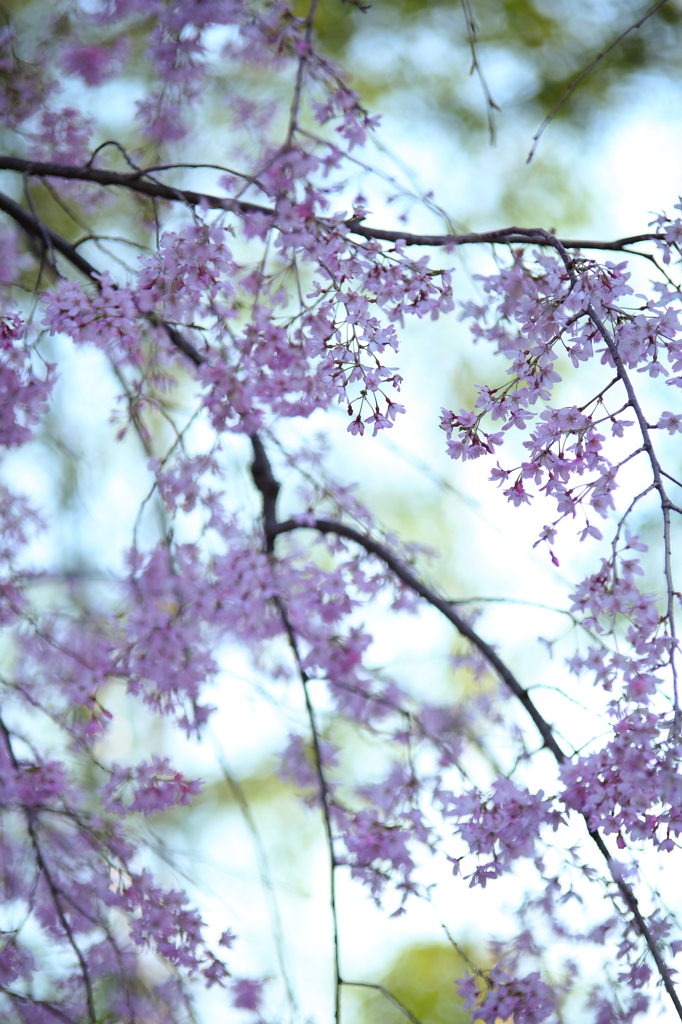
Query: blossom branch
pixel 666 504
pixel 268 486
pixel 36 229
pixel 644 930
pixel 312 320
pixel 411 580
pixel 52 886
pixel 135 182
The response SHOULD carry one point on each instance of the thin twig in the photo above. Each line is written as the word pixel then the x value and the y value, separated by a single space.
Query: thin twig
pixel 300 73
pixel 472 38
pixel 264 869
pixel 324 796
pixel 387 995
pixel 583 74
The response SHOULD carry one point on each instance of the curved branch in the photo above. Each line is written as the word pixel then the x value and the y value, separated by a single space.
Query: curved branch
pixel 445 607
pixel 387 995
pixel 136 182
pixel 544 728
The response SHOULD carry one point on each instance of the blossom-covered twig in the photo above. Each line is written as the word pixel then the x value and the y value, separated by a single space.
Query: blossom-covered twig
pixel 137 183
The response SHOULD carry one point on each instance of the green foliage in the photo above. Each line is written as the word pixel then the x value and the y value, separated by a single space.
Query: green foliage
pixel 422 978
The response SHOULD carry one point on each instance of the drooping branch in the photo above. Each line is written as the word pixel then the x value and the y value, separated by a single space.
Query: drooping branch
pixel 666 504
pixel 324 797
pixel 411 580
pixel 585 72
pixel 138 183
pixel 263 476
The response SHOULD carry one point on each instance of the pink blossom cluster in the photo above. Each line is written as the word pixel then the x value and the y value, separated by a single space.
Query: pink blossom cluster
pixel 534 314
pixel 631 786
pixel 163 655
pixel 153 787
pixel 83 875
pixel 526 1000
pixel 163 919
pixel 24 391
pixel 503 826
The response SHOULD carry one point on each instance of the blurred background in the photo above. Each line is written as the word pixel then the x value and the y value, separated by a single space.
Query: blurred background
pixel 249 852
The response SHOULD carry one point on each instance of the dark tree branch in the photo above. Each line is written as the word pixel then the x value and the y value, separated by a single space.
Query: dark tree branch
pixel 136 182
pixel 411 580
pixel 265 481
pixel 37 230
pixel 33 227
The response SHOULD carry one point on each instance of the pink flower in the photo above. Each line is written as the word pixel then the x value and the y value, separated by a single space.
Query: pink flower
pixel 247 993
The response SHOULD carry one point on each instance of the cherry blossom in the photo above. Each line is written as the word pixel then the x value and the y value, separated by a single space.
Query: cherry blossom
pixel 219 318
